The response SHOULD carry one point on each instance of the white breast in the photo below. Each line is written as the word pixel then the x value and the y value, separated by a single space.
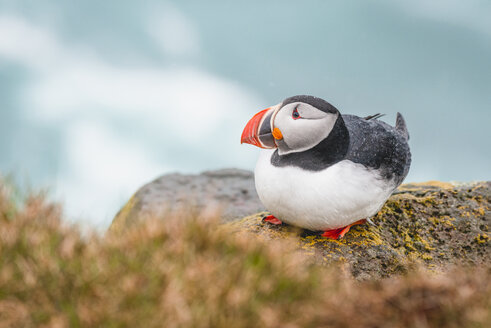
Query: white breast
pixel 332 198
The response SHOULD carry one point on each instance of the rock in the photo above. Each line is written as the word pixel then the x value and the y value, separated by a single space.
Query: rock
pixel 432 224
pixel 231 190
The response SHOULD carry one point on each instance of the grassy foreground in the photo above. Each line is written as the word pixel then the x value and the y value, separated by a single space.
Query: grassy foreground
pixel 187 271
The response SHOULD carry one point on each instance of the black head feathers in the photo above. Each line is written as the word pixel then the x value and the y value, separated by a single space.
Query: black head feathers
pixel 318 103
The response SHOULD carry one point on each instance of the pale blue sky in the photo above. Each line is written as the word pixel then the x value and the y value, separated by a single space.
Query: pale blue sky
pixel 99 97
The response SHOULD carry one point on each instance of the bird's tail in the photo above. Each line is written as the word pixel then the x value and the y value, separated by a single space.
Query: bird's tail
pixel 401 126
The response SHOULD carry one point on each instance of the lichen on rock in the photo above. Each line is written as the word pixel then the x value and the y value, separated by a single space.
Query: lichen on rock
pixel 432 224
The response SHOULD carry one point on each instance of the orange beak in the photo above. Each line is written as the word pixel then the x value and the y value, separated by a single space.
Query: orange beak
pixel 258 132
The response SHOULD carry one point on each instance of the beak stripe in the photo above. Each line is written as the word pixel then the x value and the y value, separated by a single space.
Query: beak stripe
pixel 258 131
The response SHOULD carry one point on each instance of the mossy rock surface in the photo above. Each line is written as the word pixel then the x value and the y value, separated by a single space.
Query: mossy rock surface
pixel 433 224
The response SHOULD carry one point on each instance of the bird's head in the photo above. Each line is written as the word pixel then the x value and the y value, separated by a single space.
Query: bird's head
pixel 296 124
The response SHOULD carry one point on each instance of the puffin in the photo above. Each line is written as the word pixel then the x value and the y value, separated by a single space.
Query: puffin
pixel 322 170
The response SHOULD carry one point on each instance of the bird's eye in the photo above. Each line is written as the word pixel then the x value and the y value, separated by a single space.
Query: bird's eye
pixel 295 114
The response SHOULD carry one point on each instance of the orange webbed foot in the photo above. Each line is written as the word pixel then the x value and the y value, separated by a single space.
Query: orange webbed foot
pixel 272 219
pixel 340 232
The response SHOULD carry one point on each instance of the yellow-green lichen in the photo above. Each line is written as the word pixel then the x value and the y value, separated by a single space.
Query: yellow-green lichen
pixel 481 211
pixel 427 257
pixel 413 243
pixel 482 238
pixel 411 227
pixel 445 220
pixel 427 246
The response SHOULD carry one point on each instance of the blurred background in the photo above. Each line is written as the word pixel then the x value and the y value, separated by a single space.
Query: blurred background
pixel 99 97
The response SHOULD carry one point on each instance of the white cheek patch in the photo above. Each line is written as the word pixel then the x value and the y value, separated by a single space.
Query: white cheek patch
pixel 309 112
pixel 303 133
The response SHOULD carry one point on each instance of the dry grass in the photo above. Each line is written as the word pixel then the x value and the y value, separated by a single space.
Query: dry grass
pixel 186 271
